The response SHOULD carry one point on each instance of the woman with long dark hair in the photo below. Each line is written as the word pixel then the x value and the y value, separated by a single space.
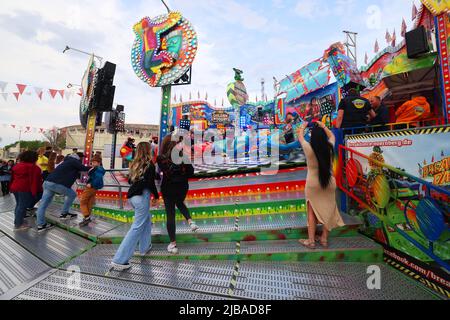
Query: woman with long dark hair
pixel 320 184
pixel 175 187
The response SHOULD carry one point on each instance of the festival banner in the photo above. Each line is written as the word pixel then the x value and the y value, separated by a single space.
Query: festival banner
pixel 423 153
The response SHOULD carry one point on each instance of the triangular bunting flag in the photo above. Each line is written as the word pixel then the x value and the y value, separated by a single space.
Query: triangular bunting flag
pixel 3 85
pixel 61 93
pixel 377 47
pixel 414 12
pixel 38 92
pixel 404 28
pixel 28 129
pixel 5 96
pixel 394 39
pixel 17 95
pixel 366 59
pixel 13 126
pixel 190 96
pixel 80 92
pixel 41 130
pixel 199 95
pixel 53 92
pixel 388 37
pixel 21 87
pixel 69 94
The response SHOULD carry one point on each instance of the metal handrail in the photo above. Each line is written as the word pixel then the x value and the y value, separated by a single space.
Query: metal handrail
pixel 392 126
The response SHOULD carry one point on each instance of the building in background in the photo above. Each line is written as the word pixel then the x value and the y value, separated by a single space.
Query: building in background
pixel 76 135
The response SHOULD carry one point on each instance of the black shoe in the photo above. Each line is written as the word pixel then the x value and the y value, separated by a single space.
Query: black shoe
pixel 31 213
pixel 45 227
pixel 66 216
pixel 85 222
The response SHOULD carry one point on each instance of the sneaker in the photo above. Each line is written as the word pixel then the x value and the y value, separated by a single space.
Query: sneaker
pixel 172 248
pixel 120 267
pixel 67 215
pixel 23 227
pixel 31 212
pixel 45 227
pixel 85 222
pixel 138 254
pixel 193 226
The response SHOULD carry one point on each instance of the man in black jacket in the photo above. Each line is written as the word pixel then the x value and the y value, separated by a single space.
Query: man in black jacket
pixel 60 181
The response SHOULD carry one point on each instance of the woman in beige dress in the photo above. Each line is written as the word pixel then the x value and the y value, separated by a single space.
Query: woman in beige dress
pixel 320 184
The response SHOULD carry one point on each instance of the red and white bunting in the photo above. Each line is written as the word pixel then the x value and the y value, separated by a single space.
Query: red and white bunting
pixel 17 95
pixel 21 88
pixel 3 85
pixel 53 93
pixel 61 93
pixel 39 92
pixel 5 96
pixel 80 92
pixel 13 126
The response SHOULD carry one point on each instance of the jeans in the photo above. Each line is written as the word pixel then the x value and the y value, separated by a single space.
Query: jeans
pixel 140 231
pixel 174 195
pixel 50 189
pixel 23 201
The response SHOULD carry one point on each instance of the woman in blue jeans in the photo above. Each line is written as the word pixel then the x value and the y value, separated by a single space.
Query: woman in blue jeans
pixel 142 181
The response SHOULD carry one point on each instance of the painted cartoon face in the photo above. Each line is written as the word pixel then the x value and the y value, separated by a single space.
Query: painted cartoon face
pixel 174 43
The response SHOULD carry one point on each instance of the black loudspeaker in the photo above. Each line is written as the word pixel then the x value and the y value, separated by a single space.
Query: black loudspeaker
pixel 104 90
pixel 417 42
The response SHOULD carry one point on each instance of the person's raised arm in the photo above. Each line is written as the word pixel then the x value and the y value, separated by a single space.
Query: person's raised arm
pixel 301 132
pixel 328 132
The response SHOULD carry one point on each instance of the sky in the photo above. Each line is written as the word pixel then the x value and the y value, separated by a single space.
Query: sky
pixel 264 38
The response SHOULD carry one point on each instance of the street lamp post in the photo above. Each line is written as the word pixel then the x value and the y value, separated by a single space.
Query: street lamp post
pixel 84 52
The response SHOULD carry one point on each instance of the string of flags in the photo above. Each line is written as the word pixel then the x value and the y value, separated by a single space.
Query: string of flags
pixel 18 90
pixel 31 129
pixel 391 39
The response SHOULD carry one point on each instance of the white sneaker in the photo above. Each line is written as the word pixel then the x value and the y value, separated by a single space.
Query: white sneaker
pixel 120 267
pixel 172 248
pixel 193 226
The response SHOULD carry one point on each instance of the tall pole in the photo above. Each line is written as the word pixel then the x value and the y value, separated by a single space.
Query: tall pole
pixel 165 111
pixel 20 139
pixel 113 150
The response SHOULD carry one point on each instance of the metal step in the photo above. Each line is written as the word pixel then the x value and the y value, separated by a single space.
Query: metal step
pixel 250 228
pixel 54 246
pixel 265 281
pixel 17 265
pixel 55 287
pixel 351 249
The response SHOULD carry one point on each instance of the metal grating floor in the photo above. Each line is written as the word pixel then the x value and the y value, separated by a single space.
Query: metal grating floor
pixel 260 281
pixel 7 203
pixel 55 287
pixel 54 246
pixel 17 266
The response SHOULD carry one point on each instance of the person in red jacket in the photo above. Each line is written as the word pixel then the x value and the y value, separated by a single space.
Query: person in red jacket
pixel 26 184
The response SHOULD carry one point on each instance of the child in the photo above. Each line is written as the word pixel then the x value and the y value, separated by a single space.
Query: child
pixel 94 183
